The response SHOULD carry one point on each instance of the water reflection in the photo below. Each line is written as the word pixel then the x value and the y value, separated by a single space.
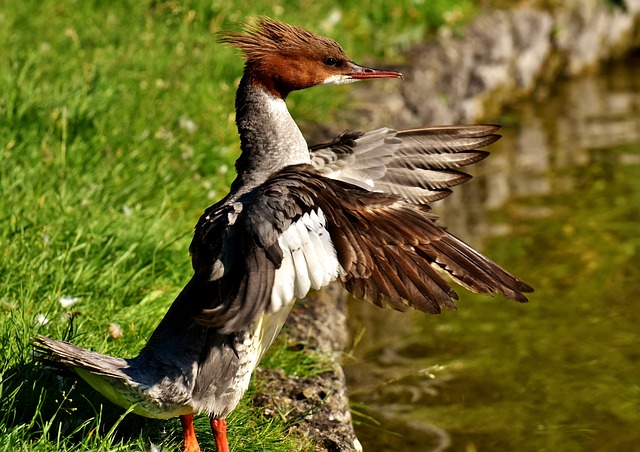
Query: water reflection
pixel 557 203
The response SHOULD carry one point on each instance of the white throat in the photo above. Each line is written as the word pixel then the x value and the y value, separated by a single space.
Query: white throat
pixel 270 138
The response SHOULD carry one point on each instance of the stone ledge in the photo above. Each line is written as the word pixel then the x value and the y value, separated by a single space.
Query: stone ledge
pixel 317 406
pixel 502 57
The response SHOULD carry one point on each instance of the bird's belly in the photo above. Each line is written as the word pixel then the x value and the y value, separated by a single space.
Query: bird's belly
pixel 143 399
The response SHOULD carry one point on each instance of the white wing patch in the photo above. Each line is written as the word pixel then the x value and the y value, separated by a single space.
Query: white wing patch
pixel 310 260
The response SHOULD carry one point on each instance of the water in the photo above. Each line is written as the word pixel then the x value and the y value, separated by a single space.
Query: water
pixel 558 204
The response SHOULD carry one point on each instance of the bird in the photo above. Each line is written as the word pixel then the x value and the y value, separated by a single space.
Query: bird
pixel 355 210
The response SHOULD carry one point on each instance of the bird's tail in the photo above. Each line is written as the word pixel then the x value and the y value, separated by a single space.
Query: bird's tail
pixel 61 355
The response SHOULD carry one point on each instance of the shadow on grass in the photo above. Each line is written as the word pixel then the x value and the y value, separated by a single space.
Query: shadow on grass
pixel 57 407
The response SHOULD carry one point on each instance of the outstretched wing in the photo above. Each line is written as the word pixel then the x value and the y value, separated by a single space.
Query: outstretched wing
pixel 299 231
pixel 419 164
pixel 395 254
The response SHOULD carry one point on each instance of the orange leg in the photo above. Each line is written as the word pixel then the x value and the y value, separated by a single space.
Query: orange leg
pixel 219 427
pixel 189 433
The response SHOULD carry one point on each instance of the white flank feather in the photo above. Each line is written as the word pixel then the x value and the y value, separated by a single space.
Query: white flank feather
pixel 309 261
pixel 302 280
pixel 315 258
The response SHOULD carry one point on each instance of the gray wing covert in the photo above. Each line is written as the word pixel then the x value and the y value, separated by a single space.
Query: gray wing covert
pixel 421 165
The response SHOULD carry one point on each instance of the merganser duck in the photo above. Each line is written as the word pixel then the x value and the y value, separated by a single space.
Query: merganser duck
pixel 297 218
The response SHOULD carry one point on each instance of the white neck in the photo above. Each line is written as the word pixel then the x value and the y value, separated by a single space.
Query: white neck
pixel 269 137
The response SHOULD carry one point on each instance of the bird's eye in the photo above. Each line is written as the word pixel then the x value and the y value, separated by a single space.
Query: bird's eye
pixel 331 62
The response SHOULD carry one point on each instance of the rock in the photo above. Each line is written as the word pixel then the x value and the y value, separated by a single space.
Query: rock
pixel 503 56
pixel 317 406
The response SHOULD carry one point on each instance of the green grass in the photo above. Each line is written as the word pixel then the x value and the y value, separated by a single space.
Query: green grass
pixel 116 131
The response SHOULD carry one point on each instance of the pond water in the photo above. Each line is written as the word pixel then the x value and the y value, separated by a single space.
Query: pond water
pixel 558 204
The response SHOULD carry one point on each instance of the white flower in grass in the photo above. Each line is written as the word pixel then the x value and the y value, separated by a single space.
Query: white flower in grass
pixel 156 448
pixel 115 331
pixel 187 152
pixel 41 320
pixel 188 124
pixel 68 301
pixel 333 19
